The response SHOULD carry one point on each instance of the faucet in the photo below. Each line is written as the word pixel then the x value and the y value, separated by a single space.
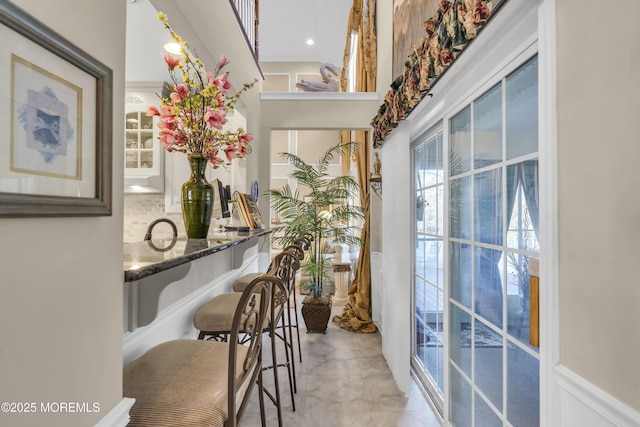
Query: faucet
pixel 153 224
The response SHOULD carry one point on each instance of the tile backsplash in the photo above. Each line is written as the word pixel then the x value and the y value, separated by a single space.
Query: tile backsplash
pixel 140 210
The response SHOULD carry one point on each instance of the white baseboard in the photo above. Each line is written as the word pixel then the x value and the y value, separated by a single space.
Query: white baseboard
pixel 118 416
pixel 583 404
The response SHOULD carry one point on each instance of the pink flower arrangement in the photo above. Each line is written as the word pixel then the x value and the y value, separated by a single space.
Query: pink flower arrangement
pixel 193 116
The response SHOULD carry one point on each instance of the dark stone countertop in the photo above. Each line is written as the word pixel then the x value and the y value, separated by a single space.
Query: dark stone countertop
pixel 142 259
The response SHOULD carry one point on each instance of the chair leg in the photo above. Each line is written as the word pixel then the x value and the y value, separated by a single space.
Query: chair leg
pixel 290 346
pixel 274 360
pixel 290 365
pixel 295 309
pixel 263 418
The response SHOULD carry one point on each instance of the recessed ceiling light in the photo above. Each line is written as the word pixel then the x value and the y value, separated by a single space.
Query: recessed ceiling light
pixel 173 48
pixel 310 42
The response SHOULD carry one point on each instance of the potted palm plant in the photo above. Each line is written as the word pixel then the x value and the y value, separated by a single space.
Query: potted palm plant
pixel 327 214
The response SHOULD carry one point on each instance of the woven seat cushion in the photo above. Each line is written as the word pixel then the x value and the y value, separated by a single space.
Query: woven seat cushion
pixel 240 284
pixel 217 314
pixel 180 383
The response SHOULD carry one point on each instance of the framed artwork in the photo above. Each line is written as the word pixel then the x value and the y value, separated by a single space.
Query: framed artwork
pixel 408 28
pixel 55 123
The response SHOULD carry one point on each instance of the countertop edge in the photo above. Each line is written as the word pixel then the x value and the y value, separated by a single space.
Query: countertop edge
pixel 146 271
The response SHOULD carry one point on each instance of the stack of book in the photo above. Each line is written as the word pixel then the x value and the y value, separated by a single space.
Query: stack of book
pixel 247 209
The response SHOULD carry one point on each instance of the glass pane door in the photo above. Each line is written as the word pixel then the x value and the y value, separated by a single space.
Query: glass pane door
pixel 493 229
pixel 428 342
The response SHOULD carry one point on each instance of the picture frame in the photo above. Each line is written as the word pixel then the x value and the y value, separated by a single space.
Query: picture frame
pixel 56 123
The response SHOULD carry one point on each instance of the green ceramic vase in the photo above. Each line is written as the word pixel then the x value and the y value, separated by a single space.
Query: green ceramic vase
pixel 197 199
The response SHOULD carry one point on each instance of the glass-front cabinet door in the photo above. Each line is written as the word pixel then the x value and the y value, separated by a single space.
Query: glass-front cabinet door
pixel 143 163
pixel 139 147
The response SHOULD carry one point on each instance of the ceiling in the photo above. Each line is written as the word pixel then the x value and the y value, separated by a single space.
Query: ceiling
pixel 285 25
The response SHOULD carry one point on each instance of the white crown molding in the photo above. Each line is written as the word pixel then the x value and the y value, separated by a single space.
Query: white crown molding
pixel 322 96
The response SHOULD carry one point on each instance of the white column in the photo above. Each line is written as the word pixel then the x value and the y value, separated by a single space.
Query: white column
pixel 341 273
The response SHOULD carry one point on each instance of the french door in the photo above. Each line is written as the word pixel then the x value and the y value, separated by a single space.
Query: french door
pixel 428 291
pixel 472 333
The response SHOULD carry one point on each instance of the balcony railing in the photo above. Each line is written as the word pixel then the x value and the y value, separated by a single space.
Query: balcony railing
pixel 247 14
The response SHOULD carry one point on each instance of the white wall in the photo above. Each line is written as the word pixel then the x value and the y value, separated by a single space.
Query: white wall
pixel 260 150
pixel 384 28
pixel 293 70
pixel 61 285
pixel 396 262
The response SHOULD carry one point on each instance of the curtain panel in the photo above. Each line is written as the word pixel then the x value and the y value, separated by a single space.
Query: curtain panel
pixel 356 314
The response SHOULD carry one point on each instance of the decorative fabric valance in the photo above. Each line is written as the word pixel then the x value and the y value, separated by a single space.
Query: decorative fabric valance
pixel 452 27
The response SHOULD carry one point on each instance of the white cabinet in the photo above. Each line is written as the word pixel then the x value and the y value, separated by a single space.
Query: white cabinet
pixel 144 155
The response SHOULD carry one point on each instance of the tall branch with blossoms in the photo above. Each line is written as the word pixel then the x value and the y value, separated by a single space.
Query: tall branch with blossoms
pixel 192 118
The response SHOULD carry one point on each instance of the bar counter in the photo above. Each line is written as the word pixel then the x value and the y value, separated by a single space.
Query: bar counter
pixel 160 273
pixel 143 259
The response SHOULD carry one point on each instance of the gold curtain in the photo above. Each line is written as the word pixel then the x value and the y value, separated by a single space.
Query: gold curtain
pixel 356 314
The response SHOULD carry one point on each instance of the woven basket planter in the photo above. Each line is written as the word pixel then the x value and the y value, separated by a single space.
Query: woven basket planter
pixel 316 315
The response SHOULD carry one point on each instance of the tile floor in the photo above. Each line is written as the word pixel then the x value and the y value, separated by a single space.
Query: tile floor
pixel 343 380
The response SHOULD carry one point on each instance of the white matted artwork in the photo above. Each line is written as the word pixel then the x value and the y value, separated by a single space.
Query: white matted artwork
pixel 46 125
